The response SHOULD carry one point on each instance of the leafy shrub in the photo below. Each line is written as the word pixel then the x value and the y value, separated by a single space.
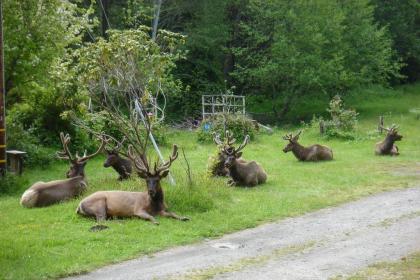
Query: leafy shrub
pixel 9 184
pixel 214 164
pixel 343 121
pixel 21 139
pixel 99 122
pixel 239 125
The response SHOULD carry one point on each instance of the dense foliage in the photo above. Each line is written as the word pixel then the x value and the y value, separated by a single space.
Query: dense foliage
pixel 238 125
pixel 280 54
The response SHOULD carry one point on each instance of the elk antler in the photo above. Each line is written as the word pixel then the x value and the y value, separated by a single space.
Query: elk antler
pixel 246 141
pixel 229 138
pixel 216 139
pixel 394 127
pixel 230 150
pixel 65 153
pixel 166 165
pixel 140 162
pixel 389 129
pixel 288 137
pixel 104 141
pixel 384 128
pixel 119 144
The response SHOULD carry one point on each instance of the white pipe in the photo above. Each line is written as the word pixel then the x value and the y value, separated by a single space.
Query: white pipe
pixel 139 111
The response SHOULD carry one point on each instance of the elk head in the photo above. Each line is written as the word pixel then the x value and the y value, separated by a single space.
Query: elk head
pixel 392 133
pixel 77 163
pixel 152 176
pixel 293 141
pixel 113 154
pixel 233 153
pixel 227 144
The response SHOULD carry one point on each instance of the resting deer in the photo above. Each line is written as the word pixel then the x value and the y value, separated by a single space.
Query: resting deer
pixel 312 153
pixel 46 193
pixel 121 165
pixel 144 205
pixel 243 173
pixel 219 168
pixel 387 146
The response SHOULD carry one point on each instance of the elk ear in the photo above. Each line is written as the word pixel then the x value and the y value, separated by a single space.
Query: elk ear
pixel 238 155
pixel 163 173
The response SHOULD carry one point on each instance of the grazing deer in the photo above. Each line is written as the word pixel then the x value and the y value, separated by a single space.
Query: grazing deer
pixel 121 165
pixel 387 146
pixel 243 173
pixel 312 153
pixel 46 193
pixel 144 205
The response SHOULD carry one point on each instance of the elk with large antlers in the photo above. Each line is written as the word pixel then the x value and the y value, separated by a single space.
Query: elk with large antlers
pixel 145 205
pixel 243 173
pixel 218 168
pixel 121 165
pixel 387 146
pixel 312 153
pixel 46 193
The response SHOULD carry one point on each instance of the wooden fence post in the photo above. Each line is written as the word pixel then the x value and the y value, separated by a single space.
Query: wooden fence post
pixel 381 124
pixel 322 127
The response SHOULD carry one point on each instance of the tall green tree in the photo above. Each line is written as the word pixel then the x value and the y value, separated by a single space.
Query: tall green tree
pixel 36 34
pixel 302 49
pixel 402 19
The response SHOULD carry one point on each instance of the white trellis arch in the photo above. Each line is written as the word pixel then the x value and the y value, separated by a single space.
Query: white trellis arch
pixel 222 104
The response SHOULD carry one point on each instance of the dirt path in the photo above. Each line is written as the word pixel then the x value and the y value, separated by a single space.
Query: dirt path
pixel 323 244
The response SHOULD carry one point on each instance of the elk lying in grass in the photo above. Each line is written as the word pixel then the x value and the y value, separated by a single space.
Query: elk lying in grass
pixel 218 168
pixel 144 205
pixel 312 153
pixel 46 193
pixel 243 173
pixel 387 146
pixel 121 165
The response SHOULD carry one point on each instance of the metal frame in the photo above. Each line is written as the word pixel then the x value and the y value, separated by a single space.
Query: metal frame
pixel 222 104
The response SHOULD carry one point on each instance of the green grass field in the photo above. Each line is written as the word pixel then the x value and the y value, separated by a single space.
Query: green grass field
pixel 54 241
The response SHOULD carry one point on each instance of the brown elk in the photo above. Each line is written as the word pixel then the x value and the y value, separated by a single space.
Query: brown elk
pixel 243 173
pixel 46 193
pixel 312 153
pixel 121 165
pixel 145 205
pixel 219 168
pixel 387 146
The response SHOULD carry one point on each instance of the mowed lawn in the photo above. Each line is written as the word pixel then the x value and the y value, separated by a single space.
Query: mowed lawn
pixel 54 241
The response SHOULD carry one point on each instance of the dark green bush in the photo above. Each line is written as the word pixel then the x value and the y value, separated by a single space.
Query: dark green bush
pixel 22 139
pixel 12 184
pixel 99 122
pixel 239 125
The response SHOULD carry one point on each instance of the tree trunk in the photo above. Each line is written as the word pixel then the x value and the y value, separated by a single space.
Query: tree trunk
pixel 286 107
pixel 103 7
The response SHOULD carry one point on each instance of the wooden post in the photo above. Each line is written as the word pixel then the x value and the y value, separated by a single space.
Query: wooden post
pixel 322 127
pixel 381 124
pixel 243 105
pixel 2 101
